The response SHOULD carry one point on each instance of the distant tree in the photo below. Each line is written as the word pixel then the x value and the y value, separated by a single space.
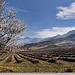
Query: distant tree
pixel 11 28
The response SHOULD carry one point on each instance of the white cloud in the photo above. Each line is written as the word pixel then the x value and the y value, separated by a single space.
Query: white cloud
pixel 54 31
pixel 66 12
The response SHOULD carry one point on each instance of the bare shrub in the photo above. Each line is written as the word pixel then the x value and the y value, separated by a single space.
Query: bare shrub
pixel 11 27
pixel 53 60
pixel 18 60
pixel 69 70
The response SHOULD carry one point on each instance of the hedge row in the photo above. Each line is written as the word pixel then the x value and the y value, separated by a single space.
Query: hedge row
pixel 9 59
pixel 18 60
pixel 34 61
pixel 52 60
pixel 67 56
pixel 37 57
pixel 3 58
pixel 67 59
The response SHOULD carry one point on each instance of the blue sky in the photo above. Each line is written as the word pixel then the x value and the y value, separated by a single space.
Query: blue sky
pixel 46 18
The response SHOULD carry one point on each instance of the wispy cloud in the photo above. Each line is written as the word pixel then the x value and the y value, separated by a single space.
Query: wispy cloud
pixel 66 12
pixel 54 31
pixel 19 10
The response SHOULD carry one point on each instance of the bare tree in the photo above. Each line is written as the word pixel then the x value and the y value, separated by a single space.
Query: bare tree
pixel 11 28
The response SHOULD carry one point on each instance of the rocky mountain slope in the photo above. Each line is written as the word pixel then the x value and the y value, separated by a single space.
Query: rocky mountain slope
pixel 65 42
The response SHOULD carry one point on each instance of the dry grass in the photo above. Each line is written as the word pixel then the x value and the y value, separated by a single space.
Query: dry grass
pixel 42 66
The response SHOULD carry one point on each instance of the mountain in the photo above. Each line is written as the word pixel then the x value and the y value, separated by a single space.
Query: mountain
pixel 28 40
pixel 66 42
pixel 52 38
pixel 60 36
pixel 69 33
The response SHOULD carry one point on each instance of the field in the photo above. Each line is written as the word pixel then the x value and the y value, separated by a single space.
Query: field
pixel 54 60
pixel 63 42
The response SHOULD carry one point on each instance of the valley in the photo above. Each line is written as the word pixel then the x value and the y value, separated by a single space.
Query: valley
pixel 37 36
pixel 52 60
pixel 56 55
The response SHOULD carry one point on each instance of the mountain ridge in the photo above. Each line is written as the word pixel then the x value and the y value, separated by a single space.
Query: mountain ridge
pixel 28 40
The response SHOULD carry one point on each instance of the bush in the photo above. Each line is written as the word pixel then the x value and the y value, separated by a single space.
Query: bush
pixel 9 59
pixel 18 60
pixel 69 70
pixel 53 60
pixel 43 58
pixel 3 58
pixel 34 61
pixel 67 59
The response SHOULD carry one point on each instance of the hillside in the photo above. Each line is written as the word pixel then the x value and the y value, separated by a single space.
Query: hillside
pixel 65 42
pixel 50 56
pixel 28 40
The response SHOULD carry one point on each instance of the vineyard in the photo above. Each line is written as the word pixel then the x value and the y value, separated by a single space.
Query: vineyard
pixel 54 52
pixel 54 60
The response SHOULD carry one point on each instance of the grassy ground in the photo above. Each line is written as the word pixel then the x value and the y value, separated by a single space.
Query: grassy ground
pixel 33 48
pixel 42 66
pixel 63 42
